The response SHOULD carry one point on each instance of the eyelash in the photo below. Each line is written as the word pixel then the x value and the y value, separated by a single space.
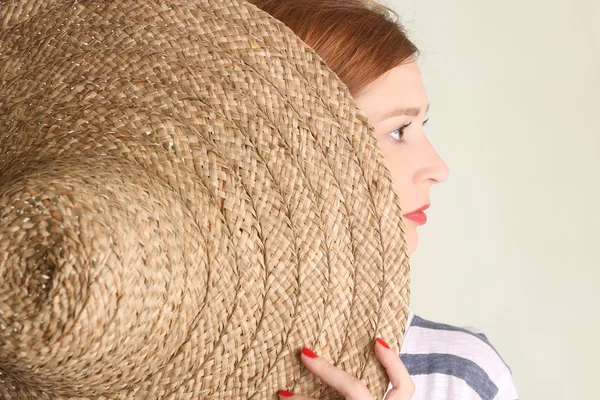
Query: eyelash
pixel 401 131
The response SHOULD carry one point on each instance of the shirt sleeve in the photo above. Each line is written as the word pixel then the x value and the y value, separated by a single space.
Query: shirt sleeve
pixel 448 362
pixel 506 388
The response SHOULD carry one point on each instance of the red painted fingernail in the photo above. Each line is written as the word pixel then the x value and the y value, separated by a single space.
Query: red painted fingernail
pixel 309 352
pixel 285 393
pixel 384 344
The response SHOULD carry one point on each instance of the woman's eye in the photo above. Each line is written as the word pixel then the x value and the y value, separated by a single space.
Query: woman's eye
pixel 399 133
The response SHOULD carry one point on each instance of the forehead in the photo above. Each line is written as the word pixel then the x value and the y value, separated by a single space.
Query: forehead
pixel 402 86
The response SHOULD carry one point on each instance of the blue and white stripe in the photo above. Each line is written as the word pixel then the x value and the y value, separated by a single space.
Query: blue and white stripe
pixel 452 363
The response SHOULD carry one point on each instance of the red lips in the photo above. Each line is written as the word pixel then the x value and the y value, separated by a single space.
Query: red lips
pixel 418 216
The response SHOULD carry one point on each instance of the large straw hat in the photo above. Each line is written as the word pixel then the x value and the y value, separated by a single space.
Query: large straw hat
pixel 188 195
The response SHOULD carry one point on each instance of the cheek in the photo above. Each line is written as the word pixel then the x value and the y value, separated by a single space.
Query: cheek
pixel 402 179
pixel 399 160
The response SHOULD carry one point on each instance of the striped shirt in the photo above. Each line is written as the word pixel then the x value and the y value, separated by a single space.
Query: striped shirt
pixel 452 363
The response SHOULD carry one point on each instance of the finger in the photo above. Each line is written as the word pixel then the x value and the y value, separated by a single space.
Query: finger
pixel 403 386
pixel 346 384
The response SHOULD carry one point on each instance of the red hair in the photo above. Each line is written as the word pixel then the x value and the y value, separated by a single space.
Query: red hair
pixel 359 40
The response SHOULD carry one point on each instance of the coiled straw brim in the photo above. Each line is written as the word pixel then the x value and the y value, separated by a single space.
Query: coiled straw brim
pixel 188 195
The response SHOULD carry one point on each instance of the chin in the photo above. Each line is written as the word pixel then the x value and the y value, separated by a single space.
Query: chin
pixel 412 247
pixel 412 238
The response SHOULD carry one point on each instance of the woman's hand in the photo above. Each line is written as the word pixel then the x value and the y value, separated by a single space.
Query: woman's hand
pixel 352 388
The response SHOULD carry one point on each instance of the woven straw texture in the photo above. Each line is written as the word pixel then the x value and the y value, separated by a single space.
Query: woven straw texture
pixel 188 195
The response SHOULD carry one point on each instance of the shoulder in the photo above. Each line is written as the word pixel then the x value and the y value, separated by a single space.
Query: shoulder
pixel 460 358
pixel 470 342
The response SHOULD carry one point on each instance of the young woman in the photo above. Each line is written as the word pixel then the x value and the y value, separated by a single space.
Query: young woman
pixel 369 51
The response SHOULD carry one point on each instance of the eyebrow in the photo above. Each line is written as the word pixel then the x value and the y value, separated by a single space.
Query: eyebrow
pixel 397 112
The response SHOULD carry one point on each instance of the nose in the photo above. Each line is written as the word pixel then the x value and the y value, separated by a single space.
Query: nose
pixel 434 169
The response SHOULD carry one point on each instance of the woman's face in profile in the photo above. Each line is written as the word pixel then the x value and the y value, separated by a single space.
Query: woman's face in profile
pixel 396 105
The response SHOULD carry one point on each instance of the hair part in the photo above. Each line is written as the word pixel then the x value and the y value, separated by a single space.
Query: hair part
pixel 359 40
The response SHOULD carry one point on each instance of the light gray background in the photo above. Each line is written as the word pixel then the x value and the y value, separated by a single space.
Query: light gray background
pixel 513 240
